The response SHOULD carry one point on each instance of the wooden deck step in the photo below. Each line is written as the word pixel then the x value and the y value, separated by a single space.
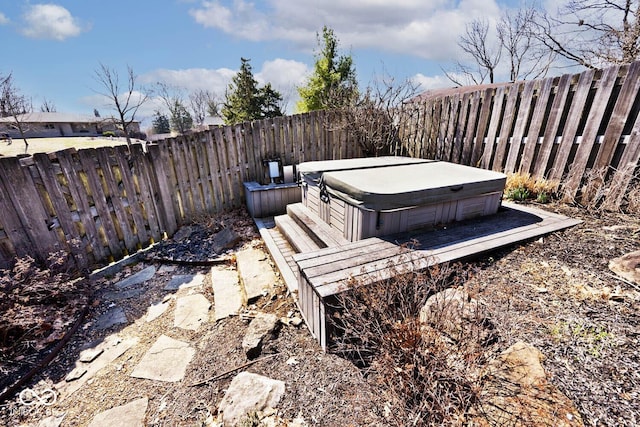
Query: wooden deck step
pixel 280 250
pixel 296 235
pixel 316 228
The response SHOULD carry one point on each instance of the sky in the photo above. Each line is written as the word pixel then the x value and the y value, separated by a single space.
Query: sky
pixel 53 49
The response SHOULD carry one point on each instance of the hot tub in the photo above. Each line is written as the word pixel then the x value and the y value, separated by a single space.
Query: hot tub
pixel 385 195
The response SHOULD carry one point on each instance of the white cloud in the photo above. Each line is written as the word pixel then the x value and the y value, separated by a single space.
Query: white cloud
pixel 50 21
pixel 192 78
pixel 3 19
pixel 283 74
pixel 431 82
pixel 426 29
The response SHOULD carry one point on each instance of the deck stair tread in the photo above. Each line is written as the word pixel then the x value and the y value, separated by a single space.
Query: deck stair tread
pixel 316 228
pixel 281 251
pixel 296 235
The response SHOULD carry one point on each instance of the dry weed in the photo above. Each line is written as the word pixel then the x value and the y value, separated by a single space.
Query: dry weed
pixel 521 186
pixel 426 375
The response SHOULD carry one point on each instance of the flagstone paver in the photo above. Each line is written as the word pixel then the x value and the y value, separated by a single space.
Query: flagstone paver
pixel 156 310
pixel 110 349
pixel 227 295
pixel 256 274
pixel 138 278
pixel 130 415
pixel 115 316
pixel 166 360
pixel 191 312
pixel 183 281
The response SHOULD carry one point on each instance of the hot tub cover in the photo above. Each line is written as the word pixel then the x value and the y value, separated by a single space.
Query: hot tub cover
pixel 316 168
pixel 406 185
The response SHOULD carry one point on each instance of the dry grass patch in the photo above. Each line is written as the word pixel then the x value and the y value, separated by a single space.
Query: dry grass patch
pixel 522 186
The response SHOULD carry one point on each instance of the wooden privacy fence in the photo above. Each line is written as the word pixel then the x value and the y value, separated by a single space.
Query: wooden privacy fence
pixel 581 130
pixel 101 204
pixel 104 203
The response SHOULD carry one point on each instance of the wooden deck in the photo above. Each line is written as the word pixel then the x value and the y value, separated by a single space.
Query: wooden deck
pixel 322 273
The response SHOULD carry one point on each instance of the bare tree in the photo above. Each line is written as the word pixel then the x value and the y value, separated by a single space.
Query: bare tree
pixel 14 104
pixel 516 42
pixel 126 100
pixel 173 98
pixel 203 102
pixel 485 58
pixel 48 106
pixel 593 33
pixel 527 56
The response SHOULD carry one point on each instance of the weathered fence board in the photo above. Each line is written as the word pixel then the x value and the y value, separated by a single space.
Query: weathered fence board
pixel 595 118
pixel 522 120
pixel 535 127
pixel 553 124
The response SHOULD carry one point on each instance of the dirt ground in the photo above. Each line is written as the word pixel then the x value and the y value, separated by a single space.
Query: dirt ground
pixel 556 293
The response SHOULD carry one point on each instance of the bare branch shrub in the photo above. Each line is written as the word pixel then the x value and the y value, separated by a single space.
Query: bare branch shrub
pixel 426 375
pixel 35 300
pixel 633 197
pixel 373 122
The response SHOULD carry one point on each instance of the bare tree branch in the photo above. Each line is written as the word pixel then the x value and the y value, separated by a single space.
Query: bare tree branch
pixel 593 33
pixel 14 104
pixel 126 101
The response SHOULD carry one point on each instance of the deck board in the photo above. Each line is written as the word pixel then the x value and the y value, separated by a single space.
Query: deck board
pixel 280 250
pixel 326 271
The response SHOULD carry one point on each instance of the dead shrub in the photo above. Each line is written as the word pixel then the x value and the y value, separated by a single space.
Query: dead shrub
pixel 37 300
pixel 425 375
pixel 633 197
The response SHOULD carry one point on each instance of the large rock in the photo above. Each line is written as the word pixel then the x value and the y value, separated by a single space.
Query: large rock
pixel 455 313
pixel 627 266
pixel 249 393
pixel 516 392
pixel 261 329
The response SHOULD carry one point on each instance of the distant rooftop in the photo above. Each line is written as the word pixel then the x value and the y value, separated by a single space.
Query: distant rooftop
pixel 39 117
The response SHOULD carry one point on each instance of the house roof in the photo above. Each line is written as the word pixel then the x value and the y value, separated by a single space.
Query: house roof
pixel 39 117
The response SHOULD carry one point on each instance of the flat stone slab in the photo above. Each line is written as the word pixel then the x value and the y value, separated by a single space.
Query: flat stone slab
pixel 227 293
pixel 131 414
pixel 138 278
pixel 166 360
pixel 110 349
pixel 166 268
pixel 248 393
pixel 256 273
pixel 156 310
pixel 90 354
pixel 183 281
pixel 115 316
pixel 124 294
pixel 76 374
pixel 191 312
